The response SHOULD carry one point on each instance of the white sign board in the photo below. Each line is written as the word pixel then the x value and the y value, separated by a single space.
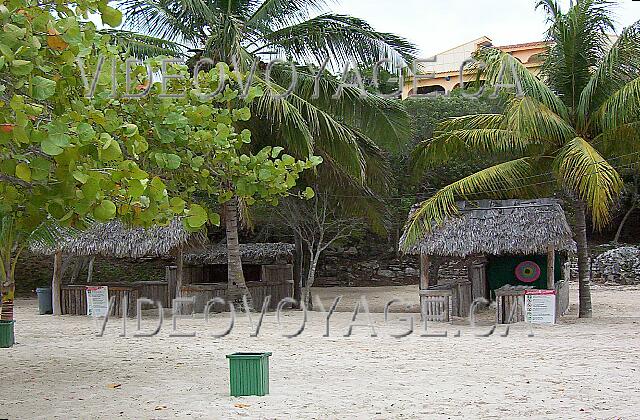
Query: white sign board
pixel 540 306
pixel 97 300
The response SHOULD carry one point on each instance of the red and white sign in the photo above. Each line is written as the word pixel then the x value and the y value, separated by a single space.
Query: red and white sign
pixel 540 306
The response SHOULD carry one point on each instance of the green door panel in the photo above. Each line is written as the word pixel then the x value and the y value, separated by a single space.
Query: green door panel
pixel 501 271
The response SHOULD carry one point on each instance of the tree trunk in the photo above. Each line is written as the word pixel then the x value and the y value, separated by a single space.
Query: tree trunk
pixel 306 295
pixel 56 284
pixel 304 278
pixel 298 270
pixel 8 292
pixel 583 260
pixel 622 223
pixel 237 286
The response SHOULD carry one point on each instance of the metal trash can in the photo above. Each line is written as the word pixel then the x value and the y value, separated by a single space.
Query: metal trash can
pixel 248 374
pixel 45 304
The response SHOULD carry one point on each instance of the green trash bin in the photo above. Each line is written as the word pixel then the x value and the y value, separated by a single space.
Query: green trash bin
pixel 248 374
pixel 7 338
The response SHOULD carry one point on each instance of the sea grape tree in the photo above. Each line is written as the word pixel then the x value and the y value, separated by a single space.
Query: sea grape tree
pixel 71 154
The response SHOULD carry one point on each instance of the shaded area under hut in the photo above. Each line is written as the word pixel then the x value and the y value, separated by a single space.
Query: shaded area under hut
pixel 199 272
pixel 116 240
pixel 267 267
pixel 494 249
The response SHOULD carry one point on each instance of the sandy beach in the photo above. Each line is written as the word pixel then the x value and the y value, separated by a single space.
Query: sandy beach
pixel 586 369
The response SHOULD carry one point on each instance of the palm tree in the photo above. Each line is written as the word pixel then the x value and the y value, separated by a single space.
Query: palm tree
pixel 568 133
pixel 16 233
pixel 345 132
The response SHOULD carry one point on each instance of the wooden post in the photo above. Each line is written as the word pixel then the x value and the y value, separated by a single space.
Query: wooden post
pixel 424 271
pixel 56 283
pixel 90 269
pixel 551 267
pixel 179 271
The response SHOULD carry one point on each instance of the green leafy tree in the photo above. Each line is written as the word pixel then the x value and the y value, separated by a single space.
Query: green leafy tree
pixel 568 131
pixel 346 131
pixel 201 155
pixel 70 158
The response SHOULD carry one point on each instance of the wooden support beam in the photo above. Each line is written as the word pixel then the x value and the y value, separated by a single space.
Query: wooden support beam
pixel 551 267
pixel 92 259
pixel 56 283
pixel 424 271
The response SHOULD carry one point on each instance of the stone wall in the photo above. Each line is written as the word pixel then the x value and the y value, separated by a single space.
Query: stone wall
pixel 619 265
pixel 353 266
pixel 452 270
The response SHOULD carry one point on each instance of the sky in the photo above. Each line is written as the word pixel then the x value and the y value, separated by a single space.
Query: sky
pixel 437 25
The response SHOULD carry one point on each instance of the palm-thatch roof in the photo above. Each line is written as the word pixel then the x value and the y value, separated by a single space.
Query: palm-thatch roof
pixel 499 227
pixel 256 253
pixel 117 240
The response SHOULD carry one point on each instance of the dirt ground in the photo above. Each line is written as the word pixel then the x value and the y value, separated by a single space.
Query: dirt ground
pixel 586 369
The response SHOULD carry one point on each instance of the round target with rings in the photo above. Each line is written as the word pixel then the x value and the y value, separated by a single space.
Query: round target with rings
pixel 528 272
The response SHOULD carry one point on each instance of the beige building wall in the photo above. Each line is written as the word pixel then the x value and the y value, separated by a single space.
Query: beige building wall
pixel 443 75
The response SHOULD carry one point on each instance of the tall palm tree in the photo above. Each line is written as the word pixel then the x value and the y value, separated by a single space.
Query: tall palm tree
pixel 346 132
pixel 568 133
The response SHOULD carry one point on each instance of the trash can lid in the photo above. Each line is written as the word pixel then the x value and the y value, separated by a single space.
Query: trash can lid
pixel 42 289
pixel 241 355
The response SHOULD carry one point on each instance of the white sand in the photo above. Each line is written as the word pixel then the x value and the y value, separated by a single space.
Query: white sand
pixel 578 369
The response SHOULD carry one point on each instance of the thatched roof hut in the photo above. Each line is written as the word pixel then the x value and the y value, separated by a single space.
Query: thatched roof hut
pixel 252 253
pixel 499 227
pixel 115 239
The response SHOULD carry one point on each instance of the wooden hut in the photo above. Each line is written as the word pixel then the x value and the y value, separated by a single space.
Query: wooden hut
pixel 267 268
pixel 116 240
pixel 496 249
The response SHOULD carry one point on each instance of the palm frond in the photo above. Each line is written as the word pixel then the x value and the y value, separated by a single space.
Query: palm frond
pixel 505 180
pixel 304 121
pixel 357 199
pixel 579 40
pixel 471 122
pixel 503 68
pixel 342 38
pixel 583 170
pixel 277 13
pixel 622 107
pixel 464 144
pixel 143 46
pixel 552 9
pixel 622 140
pixel 378 174
pixel 385 121
pixel 620 66
pixel 184 21
pixel 531 119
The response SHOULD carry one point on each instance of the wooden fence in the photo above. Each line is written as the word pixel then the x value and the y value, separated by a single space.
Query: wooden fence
pixel 461 299
pixel 203 293
pixel 435 305
pixel 74 297
pixel 510 304
pixel 441 303
pixel 156 291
